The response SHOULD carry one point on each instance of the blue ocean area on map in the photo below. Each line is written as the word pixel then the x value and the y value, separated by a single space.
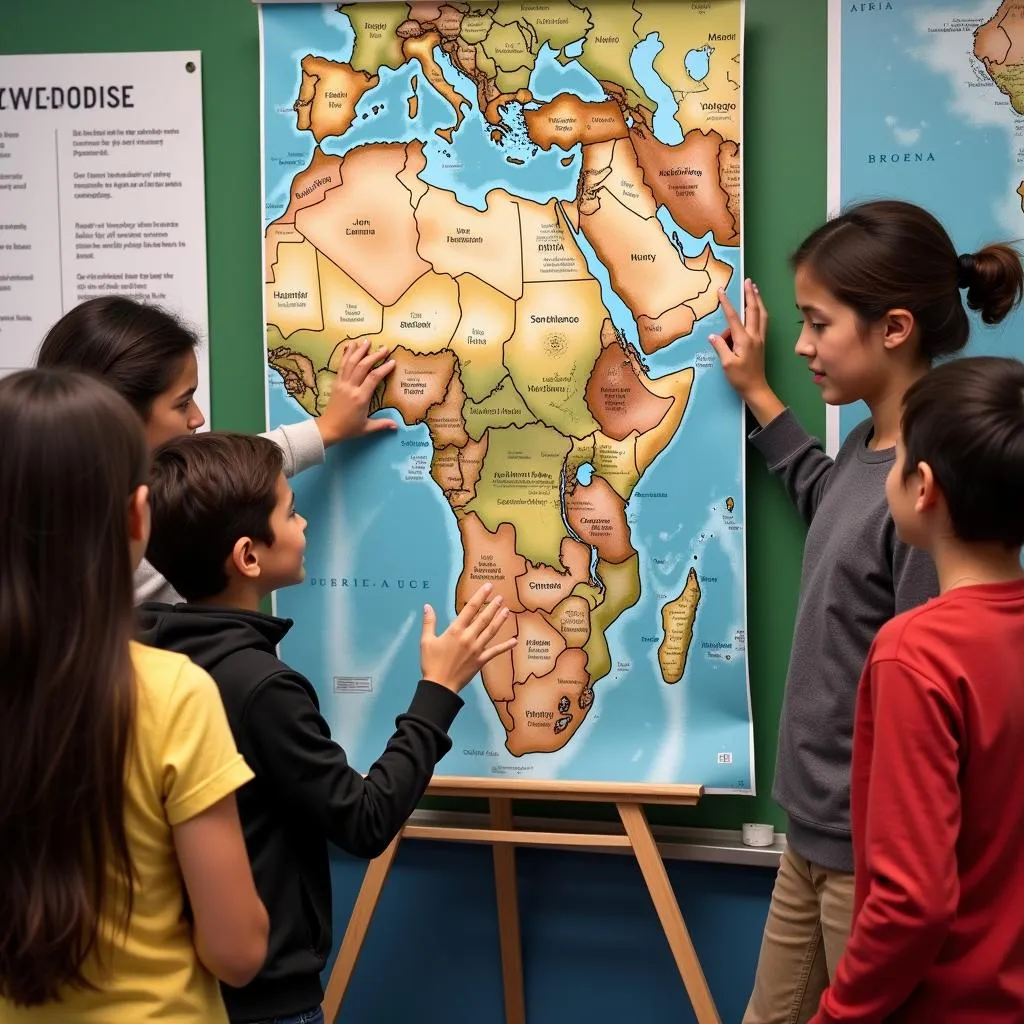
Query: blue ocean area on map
pixel 922 121
pixel 383 540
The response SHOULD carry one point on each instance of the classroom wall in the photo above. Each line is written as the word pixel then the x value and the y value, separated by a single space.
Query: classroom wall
pixel 593 947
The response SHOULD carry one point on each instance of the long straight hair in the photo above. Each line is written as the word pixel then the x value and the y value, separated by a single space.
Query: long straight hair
pixel 73 455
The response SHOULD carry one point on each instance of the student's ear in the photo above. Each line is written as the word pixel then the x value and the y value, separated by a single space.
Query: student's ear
pixel 138 516
pixel 928 494
pixel 245 559
pixel 897 326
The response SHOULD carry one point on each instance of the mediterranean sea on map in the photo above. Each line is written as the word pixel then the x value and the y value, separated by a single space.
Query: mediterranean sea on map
pixel 931 110
pixel 396 519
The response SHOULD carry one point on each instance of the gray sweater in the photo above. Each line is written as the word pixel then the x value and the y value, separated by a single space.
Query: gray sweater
pixel 856 575
pixel 302 447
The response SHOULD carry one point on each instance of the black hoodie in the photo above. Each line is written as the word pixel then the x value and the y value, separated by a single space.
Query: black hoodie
pixel 304 793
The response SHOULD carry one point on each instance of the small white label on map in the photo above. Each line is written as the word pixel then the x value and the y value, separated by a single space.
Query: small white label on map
pixel 353 684
pixel 725 758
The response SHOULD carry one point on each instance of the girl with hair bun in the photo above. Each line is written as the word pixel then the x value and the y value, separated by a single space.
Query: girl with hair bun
pixel 880 292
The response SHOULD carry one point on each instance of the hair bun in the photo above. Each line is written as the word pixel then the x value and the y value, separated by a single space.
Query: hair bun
pixel 966 270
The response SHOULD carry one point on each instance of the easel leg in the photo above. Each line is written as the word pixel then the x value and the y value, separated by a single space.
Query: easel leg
pixel 664 899
pixel 508 915
pixel 358 925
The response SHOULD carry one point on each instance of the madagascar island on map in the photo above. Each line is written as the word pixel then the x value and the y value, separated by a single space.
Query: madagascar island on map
pixel 535 205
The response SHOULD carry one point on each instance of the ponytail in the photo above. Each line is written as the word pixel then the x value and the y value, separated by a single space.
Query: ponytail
pixel 994 281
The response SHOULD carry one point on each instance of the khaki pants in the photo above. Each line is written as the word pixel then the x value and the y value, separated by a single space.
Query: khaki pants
pixel 805 935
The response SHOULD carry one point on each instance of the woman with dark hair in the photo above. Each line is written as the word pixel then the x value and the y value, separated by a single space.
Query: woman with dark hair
pixel 149 357
pixel 117 767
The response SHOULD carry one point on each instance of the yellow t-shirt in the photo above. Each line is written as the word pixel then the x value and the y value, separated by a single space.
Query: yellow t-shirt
pixel 184 760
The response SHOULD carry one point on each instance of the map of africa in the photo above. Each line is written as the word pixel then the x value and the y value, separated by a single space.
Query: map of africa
pixel 536 205
pixel 929 100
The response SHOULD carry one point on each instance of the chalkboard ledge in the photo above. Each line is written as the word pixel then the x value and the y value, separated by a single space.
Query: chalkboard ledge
pixel 714 845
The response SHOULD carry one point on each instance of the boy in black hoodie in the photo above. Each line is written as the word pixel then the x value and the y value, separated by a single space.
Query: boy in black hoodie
pixel 225 534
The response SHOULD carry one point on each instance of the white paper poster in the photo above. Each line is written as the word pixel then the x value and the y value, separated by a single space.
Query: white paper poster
pixel 101 191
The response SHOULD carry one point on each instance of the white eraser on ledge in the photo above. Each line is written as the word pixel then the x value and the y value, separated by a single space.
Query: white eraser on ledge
pixel 755 834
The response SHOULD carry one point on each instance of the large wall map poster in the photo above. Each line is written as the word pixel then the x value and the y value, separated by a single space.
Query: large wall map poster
pixel 537 203
pixel 927 104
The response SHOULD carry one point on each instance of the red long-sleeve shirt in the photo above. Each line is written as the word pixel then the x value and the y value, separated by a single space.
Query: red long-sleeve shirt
pixel 937 809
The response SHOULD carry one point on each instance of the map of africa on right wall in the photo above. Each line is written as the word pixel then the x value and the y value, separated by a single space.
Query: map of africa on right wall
pixel 926 103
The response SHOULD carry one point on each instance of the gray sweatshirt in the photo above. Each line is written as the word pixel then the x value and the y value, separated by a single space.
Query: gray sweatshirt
pixel 856 575
pixel 302 447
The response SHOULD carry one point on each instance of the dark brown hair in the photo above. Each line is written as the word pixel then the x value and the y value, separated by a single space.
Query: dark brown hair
pixel 74 453
pixel 206 491
pixel 893 255
pixel 136 348
pixel 966 420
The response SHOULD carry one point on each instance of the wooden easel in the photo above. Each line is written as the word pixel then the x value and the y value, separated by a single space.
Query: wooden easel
pixel 502 834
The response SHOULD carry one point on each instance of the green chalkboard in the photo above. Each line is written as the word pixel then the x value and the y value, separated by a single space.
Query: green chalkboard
pixel 784 160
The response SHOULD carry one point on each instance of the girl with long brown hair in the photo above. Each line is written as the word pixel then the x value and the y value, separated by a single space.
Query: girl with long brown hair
pixel 117 767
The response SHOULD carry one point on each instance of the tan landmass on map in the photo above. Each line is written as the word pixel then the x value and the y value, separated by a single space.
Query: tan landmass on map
pixel 545 711
pixel 497 100
pixel 490 557
pixel 454 238
pixel 621 591
pixel 556 23
pixel 503 407
pixel 719 275
pixel 552 352
pixel 424 318
pixel 608 45
pixel 444 420
pixel 328 95
pixel 619 399
pixel 567 120
pixel 445 469
pixel 542 587
pixel 471 462
pixel 999 45
pixel 293 294
pixel 538 649
pixel 366 227
pixel 415 162
pixel 512 49
pixel 549 251
pixel 657 332
pixel 571 618
pixel 519 484
pixel 416 383
pixel 615 461
pixel 647 270
pixel 677 619
pixel 625 181
pixel 675 386
pixel 348 310
pixel 597 516
pixel 421 48
pixel 376 44
pixel 310 186
pixel 276 234
pixel 687 179
pixel 487 322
